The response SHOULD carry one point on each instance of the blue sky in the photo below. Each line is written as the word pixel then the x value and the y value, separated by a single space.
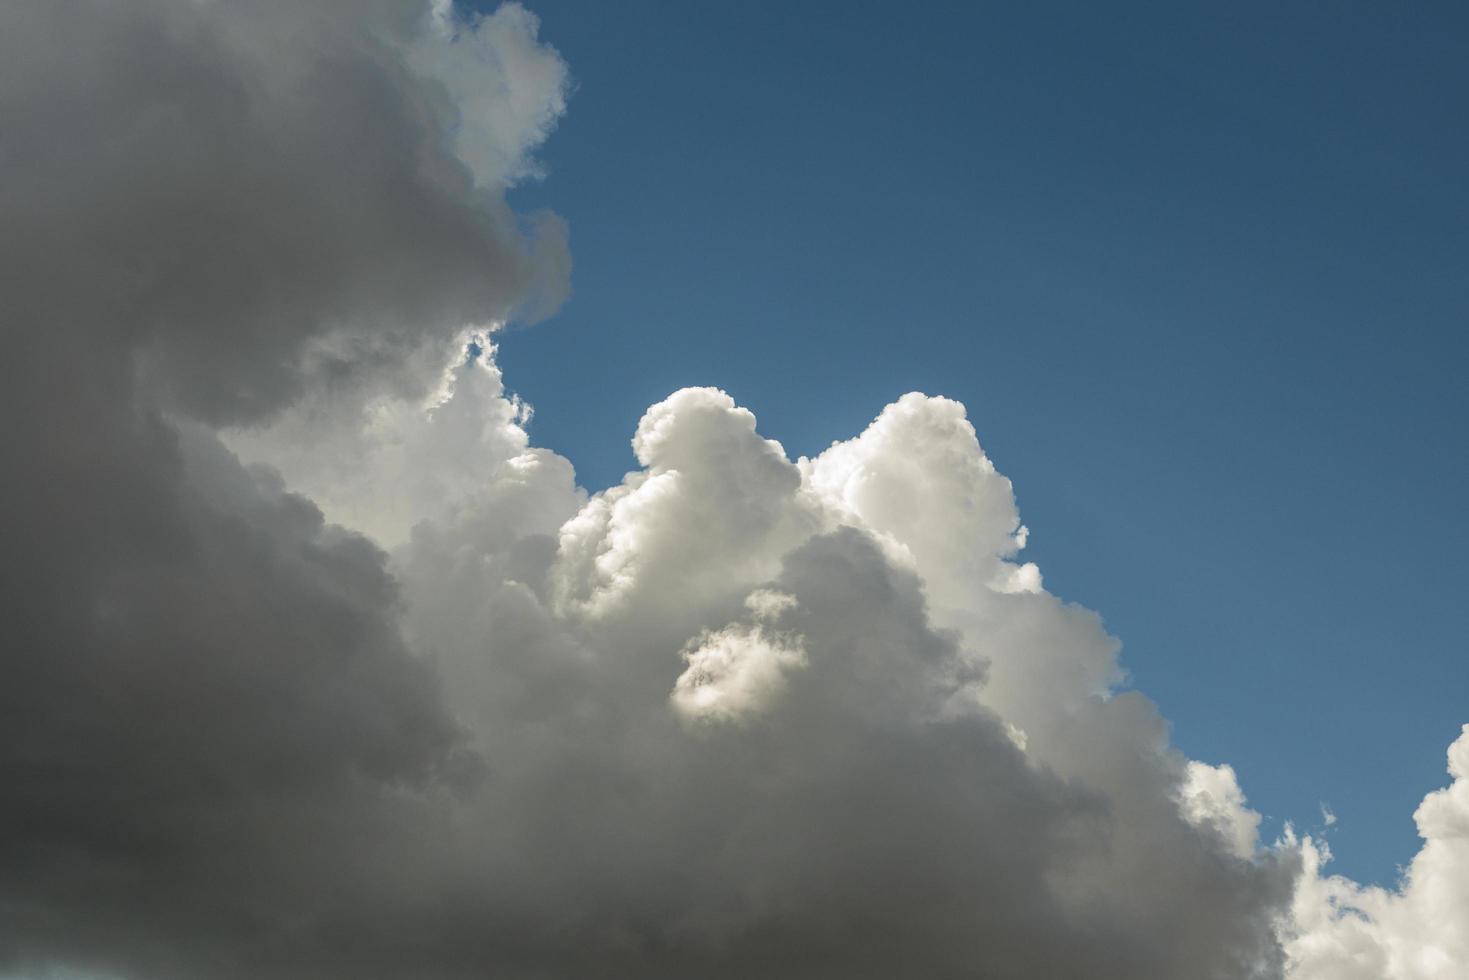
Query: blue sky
pixel 1196 271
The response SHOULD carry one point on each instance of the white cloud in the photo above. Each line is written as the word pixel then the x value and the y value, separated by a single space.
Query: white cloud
pixel 1419 931
pixel 1211 798
pixel 507 87
pixel 716 505
pixel 382 463
pixel 918 477
pixel 738 669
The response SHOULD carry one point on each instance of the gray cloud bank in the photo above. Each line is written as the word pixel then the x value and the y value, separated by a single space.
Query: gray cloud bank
pixel 315 667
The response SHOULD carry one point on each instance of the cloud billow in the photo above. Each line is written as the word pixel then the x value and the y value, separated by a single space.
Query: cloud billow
pixel 316 667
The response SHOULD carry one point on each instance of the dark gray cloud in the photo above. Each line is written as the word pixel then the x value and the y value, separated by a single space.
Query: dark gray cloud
pixel 243 198
pixel 737 716
pixel 206 210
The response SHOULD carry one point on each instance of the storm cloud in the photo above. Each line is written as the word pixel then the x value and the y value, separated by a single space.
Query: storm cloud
pixel 315 667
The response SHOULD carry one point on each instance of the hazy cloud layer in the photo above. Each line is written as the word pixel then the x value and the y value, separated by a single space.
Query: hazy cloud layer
pixel 315 667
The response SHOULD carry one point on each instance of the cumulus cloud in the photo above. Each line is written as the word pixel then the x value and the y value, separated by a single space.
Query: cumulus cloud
pixel 1211 797
pixel 729 739
pixel 316 667
pixel 1418 931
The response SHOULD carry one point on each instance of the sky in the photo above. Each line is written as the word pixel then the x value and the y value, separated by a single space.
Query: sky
pixel 1196 271
pixel 658 492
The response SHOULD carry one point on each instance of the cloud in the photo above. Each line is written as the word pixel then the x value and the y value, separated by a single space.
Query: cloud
pixel 713 721
pixel 235 203
pixel 507 89
pixel 211 213
pixel 1211 797
pixel 316 667
pixel 736 670
pixel 1419 931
